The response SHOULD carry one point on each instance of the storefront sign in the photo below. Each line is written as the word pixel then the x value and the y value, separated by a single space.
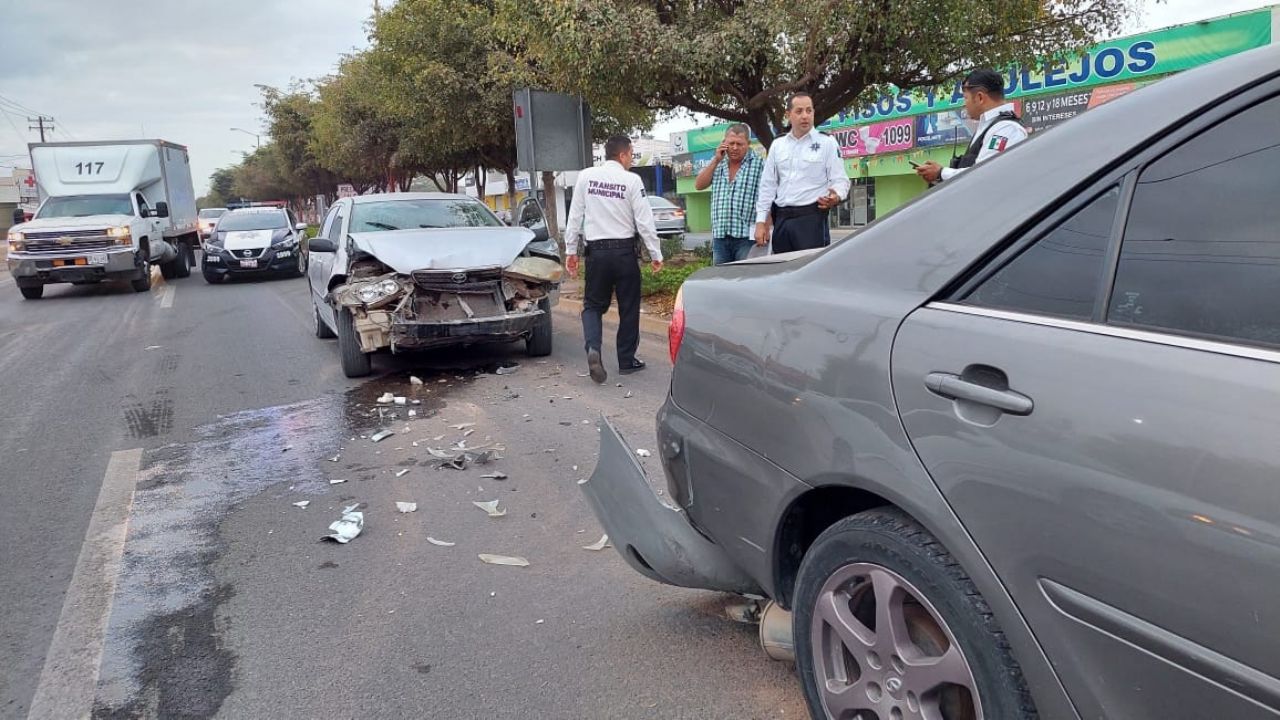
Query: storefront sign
pixel 1045 111
pixel 942 128
pixel 876 138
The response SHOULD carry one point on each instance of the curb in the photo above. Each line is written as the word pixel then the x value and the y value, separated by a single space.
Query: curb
pixel 649 325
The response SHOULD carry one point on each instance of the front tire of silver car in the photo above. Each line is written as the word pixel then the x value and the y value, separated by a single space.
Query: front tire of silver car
pixel 888 625
pixel 541 339
pixel 355 362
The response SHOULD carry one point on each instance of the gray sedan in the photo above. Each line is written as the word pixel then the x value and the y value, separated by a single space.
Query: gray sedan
pixel 667 216
pixel 1012 451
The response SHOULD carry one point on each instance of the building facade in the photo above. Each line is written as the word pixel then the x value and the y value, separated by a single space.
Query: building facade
pixel 879 142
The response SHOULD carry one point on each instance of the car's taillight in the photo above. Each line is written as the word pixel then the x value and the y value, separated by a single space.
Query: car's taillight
pixel 675 331
pixel 678 213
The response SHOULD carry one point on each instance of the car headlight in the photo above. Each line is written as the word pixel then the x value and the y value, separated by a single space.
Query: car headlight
pixel 375 291
pixel 212 249
pixel 286 241
pixel 122 234
pixel 17 241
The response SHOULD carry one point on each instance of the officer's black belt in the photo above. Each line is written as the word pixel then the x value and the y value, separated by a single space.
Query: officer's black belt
pixel 612 244
pixel 794 211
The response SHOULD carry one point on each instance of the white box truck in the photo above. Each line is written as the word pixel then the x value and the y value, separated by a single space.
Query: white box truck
pixel 108 210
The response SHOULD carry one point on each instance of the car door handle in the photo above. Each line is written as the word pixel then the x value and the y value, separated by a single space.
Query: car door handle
pixel 954 387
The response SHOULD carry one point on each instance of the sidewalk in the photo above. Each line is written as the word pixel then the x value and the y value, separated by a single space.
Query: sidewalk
pixel 651 323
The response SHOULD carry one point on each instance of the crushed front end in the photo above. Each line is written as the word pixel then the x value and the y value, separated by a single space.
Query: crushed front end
pixel 435 308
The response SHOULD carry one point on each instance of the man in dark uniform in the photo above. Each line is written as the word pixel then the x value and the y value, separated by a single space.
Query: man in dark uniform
pixel 607 213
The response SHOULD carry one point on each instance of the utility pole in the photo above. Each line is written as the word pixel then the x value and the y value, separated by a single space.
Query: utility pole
pixel 42 123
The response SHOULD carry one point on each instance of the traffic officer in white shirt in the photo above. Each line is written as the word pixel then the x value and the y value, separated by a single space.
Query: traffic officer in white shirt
pixel 998 125
pixel 803 179
pixel 607 213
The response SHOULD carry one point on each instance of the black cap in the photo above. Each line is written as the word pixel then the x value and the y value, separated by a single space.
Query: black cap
pixel 985 79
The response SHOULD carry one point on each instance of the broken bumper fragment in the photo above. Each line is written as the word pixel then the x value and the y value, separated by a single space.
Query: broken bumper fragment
pixel 654 538
pixel 503 328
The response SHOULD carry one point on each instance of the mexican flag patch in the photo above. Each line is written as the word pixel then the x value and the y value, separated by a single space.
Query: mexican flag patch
pixel 998 143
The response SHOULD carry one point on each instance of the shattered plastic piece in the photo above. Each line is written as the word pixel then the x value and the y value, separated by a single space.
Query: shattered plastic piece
pixel 405 507
pixel 335 458
pixel 336 481
pixel 506 370
pixel 402 473
pixel 286 448
pixel 584 374
pixel 629 394
pixel 539 622
pixel 442 381
pixel 346 529
pixel 153 347
pixel 600 544
pixel 386 399
pixel 495 475
pixel 467 432
pixel 302 503
pixel 462 426
pixel 438 438
pixel 382 435
pixel 490 507
pixel 441 543
pixel 402 400
pixel 643 453
pixel 413 413
pixel 415 380
pixel 504 560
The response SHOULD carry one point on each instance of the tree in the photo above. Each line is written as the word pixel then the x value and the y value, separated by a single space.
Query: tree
pixel 220 188
pixel 353 135
pixel 740 59
pixel 290 116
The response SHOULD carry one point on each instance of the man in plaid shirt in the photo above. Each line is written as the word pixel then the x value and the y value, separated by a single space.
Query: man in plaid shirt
pixel 734 186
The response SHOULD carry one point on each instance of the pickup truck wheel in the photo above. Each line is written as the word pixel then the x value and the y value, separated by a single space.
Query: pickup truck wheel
pixel 143 282
pixel 31 292
pixel 355 362
pixel 888 625
pixel 323 331
pixel 186 260
pixel 540 340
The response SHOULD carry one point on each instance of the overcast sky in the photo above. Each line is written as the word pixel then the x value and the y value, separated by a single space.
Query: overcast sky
pixel 190 76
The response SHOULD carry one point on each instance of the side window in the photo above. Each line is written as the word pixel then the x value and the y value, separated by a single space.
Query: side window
pixel 328 222
pixel 335 230
pixel 142 202
pixel 1061 273
pixel 1201 248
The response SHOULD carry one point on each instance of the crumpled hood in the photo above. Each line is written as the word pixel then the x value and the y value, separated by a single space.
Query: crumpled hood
pixel 67 223
pixel 445 248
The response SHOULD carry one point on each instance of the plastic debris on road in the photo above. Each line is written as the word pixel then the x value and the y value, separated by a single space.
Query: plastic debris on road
pixel 302 503
pixel 346 529
pixel 490 507
pixel 643 453
pixel 495 475
pixel 335 458
pixel 402 473
pixel 415 380
pixel 598 545
pixel 462 426
pixel 405 507
pixel 401 400
pixel 441 543
pixel 504 560
pixel 629 394
pixel 382 435
pixel 507 370
pixel 413 413
pixel 386 399
pixel 336 481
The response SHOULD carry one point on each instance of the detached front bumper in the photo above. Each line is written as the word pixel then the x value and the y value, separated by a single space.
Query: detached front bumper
pixel 654 538
pixel 71 266
pixel 503 328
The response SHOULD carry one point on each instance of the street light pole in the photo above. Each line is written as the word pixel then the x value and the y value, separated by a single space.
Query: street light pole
pixel 257 139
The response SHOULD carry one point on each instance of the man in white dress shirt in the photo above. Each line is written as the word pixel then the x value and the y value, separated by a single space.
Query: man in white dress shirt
pixel 608 212
pixel 998 126
pixel 803 179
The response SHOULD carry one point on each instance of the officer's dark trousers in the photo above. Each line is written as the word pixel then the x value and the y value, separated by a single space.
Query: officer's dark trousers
pixel 609 271
pixel 800 233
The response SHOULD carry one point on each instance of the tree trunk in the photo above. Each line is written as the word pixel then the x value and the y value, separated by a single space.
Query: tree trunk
pixel 760 124
pixel 549 207
pixel 482 176
pixel 511 189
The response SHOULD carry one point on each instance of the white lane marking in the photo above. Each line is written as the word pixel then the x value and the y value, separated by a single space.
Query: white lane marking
pixel 70 676
pixel 166 298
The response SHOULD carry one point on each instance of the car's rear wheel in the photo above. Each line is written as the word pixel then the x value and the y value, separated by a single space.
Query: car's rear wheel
pixel 186 261
pixel 31 292
pixel 323 331
pixel 888 626
pixel 355 362
pixel 540 340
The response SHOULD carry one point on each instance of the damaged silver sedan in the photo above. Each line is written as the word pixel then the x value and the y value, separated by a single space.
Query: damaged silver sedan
pixel 414 271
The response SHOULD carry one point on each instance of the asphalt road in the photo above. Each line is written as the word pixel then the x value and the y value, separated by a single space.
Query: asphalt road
pixel 153 445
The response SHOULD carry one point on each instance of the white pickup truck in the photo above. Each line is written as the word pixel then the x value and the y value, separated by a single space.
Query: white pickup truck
pixel 108 210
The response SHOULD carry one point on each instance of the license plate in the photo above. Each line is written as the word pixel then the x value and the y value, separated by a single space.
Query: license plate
pixel 98 259
pixel 248 263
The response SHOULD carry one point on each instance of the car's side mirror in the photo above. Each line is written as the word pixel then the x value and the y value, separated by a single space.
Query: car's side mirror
pixel 162 210
pixel 540 234
pixel 300 227
pixel 322 245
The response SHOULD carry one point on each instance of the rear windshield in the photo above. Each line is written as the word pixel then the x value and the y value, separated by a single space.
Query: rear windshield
pixel 233 221
pixel 657 202
pixel 86 205
pixel 414 214
pixel 209 213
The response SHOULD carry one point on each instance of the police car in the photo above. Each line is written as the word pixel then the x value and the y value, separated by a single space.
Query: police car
pixel 255 241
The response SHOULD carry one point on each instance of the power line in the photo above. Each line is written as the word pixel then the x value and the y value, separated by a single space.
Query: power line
pixel 40 121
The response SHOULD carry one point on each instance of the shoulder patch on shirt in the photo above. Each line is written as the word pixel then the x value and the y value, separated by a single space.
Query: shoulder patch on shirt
pixel 998 143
